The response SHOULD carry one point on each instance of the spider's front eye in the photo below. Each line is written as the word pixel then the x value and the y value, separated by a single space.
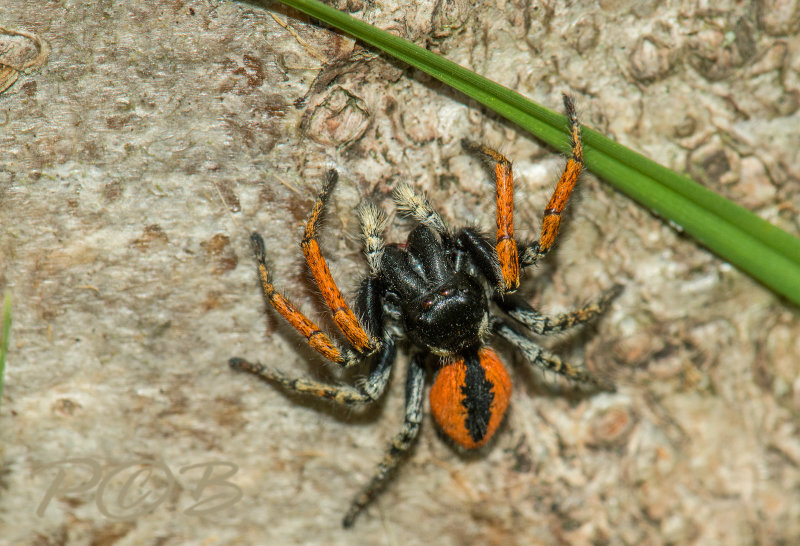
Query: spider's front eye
pixel 427 303
pixel 446 292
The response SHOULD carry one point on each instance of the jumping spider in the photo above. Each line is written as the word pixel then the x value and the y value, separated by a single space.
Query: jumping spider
pixel 434 292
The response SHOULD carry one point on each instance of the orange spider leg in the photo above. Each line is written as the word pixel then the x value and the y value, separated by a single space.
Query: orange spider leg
pixel 552 214
pixel 342 314
pixel 506 246
pixel 315 337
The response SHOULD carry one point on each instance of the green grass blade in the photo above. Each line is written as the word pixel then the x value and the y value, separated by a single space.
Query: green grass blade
pixel 6 329
pixel 755 246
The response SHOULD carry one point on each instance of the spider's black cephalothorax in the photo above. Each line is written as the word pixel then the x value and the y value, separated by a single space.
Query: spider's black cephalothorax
pixel 443 305
pixel 440 292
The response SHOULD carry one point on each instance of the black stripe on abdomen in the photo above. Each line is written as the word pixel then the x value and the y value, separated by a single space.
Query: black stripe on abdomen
pixel 478 396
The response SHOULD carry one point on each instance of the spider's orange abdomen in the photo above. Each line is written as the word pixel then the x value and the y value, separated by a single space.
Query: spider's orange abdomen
pixel 469 398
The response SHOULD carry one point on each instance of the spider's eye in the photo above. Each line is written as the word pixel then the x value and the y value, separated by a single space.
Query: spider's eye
pixel 427 303
pixel 446 292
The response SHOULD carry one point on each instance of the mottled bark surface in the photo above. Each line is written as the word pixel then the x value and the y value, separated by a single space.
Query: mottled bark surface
pixel 159 134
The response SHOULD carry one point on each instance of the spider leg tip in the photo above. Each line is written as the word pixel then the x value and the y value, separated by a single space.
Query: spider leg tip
pixel 607 386
pixel 614 291
pixel 470 145
pixel 236 363
pixel 240 364
pixel 331 179
pixel 257 242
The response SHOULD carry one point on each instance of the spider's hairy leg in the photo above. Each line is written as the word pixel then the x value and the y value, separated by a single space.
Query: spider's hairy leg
pixel 520 310
pixel 419 208
pixel 366 391
pixel 558 201
pixel 415 383
pixel 373 222
pixel 315 337
pixel 506 245
pixel 546 360
pixel 342 314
